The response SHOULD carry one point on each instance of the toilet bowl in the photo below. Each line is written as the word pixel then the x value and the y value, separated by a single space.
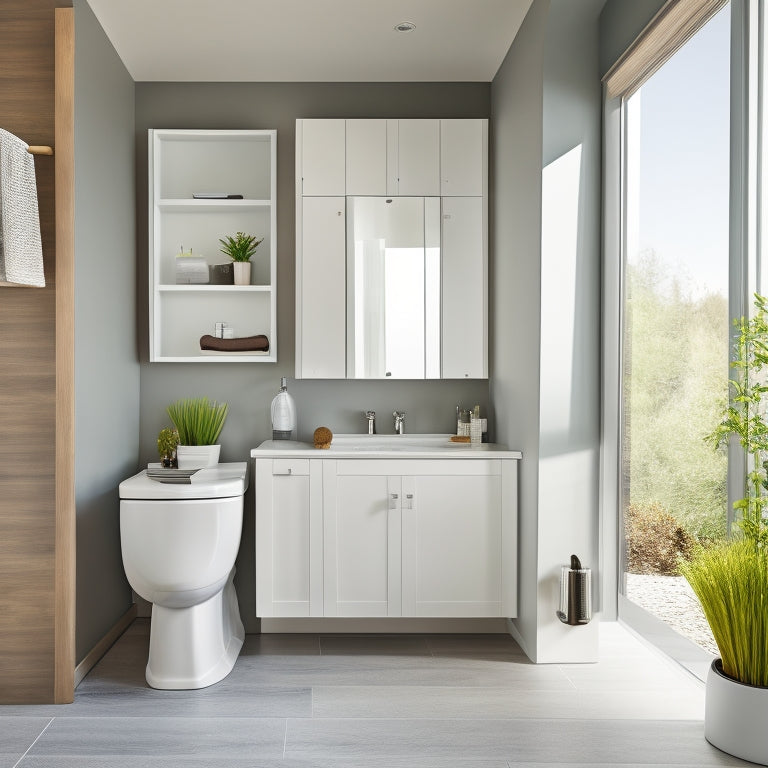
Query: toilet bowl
pixel 179 542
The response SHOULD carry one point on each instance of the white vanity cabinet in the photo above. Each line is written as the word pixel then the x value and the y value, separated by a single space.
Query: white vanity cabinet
pixel 386 537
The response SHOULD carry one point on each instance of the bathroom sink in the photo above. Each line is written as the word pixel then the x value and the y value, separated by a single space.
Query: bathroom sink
pixel 387 443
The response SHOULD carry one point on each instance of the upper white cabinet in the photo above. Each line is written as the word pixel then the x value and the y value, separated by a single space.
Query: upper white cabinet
pixel 414 150
pixel 463 158
pixel 366 157
pixel 215 164
pixel 441 165
pixel 321 153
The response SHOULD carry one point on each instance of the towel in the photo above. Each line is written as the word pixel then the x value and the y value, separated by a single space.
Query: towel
pixel 21 249
pixel 258 343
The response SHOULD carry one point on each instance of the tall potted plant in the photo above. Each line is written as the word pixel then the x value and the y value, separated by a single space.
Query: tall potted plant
pixel 731 580
pixel 199 423
pixel 240 248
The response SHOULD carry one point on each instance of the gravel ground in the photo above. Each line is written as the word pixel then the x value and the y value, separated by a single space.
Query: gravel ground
pixel 671 599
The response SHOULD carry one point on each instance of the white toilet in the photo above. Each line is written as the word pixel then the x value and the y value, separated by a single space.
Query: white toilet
pixel 179 544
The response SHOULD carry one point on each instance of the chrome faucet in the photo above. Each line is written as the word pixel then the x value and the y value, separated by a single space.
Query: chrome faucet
pixel 399 422
pixel 371 416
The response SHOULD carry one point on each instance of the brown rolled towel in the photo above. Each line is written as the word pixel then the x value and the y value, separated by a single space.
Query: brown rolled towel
pixel 258 343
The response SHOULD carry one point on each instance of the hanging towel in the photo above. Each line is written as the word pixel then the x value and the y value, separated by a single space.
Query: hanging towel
pixel 21 249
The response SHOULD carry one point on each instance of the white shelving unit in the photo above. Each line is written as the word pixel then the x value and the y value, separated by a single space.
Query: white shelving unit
pixel 185 162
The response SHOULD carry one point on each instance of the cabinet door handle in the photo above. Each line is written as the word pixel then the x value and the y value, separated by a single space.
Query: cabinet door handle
pixel 409 501
pixel 393 497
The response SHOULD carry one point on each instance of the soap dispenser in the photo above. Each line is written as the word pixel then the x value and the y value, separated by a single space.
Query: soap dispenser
pixel 283 413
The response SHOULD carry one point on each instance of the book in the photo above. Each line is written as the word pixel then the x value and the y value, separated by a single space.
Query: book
pixel 156 471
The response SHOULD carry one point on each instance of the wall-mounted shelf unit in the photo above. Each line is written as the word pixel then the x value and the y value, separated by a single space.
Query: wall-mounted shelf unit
pixel 183 163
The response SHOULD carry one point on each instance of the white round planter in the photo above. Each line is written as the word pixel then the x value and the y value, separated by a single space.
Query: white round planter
pixel 735 716
pixel 197 456
pixel 242 272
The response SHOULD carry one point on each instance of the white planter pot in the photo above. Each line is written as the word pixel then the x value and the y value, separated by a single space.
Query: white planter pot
pixel 242 272
pixel 197 456
pixel 735 717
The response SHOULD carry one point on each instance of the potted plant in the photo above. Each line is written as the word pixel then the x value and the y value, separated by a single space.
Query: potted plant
pixel 731 580
pixel 167 441
pixel 199 423
pixel 240 248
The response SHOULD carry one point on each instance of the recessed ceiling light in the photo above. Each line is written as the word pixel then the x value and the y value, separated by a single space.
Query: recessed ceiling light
pixel 404 26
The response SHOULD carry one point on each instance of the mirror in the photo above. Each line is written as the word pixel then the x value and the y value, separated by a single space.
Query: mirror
pixel 393 287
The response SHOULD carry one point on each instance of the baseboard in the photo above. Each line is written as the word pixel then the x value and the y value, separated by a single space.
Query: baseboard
pixel 392 625
pixel 106 642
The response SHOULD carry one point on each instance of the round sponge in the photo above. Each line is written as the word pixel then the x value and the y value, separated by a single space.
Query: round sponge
pixel 323 437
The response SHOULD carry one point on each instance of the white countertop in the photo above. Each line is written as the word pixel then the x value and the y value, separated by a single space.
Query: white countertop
pixel 387 446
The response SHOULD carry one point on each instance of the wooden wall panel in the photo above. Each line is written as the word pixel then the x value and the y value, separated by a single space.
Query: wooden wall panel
pixel 28 378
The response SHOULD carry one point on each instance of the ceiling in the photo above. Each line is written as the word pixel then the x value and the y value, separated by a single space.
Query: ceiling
pixel 311 40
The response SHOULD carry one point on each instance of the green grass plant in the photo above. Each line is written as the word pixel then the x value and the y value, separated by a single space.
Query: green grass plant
pixel 240 247
pixel 198 420
pixel 731 582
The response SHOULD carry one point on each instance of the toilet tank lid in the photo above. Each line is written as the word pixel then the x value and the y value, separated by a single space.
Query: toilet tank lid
pixel 219 482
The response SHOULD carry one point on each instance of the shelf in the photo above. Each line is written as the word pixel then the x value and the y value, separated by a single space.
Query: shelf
pixel 183 163
pixel 212 206
pixel 208 288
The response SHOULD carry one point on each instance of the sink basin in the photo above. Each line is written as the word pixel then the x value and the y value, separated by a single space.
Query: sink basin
pixel 379 443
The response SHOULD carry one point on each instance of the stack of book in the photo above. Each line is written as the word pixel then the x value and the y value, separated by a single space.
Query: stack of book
pixel 157 471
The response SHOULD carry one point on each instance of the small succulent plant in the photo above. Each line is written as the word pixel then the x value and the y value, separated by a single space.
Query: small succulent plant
pixel 167 441
pixel 240 247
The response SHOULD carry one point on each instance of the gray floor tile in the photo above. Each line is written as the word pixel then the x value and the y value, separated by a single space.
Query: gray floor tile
pixel 16 736
pixel 412 645
pixel 498 703
pixel 284 645
pixel 474 644
pixel 162 737
pixel 130 761
pixel 535 741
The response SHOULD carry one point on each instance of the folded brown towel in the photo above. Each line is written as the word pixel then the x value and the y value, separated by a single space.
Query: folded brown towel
pixel 258 343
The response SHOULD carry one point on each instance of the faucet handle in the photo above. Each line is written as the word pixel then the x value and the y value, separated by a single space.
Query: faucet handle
pixel 369 414
pixel 398 414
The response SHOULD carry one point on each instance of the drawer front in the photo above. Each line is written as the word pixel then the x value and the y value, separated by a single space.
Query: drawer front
pixel 290 466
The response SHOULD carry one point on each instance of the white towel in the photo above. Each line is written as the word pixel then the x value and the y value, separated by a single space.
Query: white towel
pixel 21 249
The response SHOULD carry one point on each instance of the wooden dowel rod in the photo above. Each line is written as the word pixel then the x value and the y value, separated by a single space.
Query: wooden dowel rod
pixel 40 150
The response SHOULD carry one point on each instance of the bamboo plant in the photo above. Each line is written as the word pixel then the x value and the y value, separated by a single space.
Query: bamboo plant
pixel 198 420
pixel 731 580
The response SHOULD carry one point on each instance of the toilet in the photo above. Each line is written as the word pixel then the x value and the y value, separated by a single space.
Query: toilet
pixel 179 543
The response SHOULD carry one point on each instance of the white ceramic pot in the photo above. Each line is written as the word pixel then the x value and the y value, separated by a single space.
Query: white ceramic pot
pixel 197 456
pixel 735 716
pixel 242 272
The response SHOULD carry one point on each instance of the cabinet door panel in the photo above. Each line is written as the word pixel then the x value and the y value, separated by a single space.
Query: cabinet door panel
pixel 452 546
pixel 288 540
pixel 321 300
pixel 464 341
pixel 462 157
pixel 418 162
pixel 322 157
pixel 366 157
pixel 359 525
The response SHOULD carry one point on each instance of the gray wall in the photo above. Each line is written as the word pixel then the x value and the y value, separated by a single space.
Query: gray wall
pixel 249 388
pixel 106 363
pixel 515 236
pixel 546 102
pixel 621 21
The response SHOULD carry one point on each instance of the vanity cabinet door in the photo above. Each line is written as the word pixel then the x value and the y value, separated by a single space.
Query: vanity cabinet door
pixel 321 283
pixel 322 160
pixel 464 305
pixel 366 157
pixel 456 538
pixel 463 157
pixel 289 537
pixel 362 544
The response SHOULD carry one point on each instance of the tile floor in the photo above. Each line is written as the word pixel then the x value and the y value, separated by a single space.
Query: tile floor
pixel 384 701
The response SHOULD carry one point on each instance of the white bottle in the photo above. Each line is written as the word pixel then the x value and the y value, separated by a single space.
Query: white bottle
pixel 283 413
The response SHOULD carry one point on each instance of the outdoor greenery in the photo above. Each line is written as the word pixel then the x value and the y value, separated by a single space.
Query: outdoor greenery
pixel 198 421
pixel 731 580
pixel 655 541
pixel 677 388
